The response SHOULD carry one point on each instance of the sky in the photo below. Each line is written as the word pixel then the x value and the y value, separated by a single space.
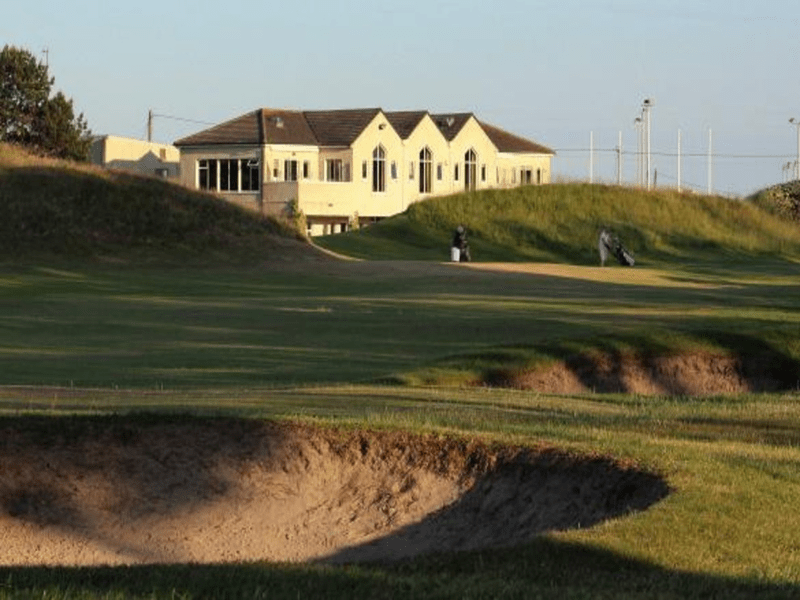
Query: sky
pixel 569 74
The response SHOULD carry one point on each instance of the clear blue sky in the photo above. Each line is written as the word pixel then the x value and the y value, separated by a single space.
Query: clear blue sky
pixel 553 71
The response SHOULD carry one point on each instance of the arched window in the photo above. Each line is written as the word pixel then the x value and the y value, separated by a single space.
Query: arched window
pixel 470 169
pixel 379 169
pixel 425 170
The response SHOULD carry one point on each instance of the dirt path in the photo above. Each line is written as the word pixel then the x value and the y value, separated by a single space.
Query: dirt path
pixel 116 491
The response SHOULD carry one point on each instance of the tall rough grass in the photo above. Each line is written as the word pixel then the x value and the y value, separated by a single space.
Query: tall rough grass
pixel 561 223
pixel 59 207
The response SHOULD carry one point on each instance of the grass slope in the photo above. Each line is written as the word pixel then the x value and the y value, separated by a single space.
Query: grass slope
pixel 560 223
pixel 66 209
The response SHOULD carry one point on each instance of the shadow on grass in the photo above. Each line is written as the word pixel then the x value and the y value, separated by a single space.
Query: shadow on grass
pixel 544 568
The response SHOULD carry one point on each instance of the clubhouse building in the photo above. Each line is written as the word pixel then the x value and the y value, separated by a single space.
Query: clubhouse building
pixel 340 166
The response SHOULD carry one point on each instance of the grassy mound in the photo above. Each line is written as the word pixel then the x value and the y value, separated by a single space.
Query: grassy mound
pixel 66 209
pixel 560 223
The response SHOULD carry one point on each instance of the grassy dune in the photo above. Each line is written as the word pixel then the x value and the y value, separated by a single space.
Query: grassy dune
pixel 60 208
pixel 560 223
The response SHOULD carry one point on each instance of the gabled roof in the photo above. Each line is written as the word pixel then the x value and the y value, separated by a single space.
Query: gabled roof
pixel 508 142
pixel 339 127
pixel 451 123
pixel 405 122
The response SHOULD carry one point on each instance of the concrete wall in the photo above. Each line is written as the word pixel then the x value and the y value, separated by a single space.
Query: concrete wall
pixel 136 156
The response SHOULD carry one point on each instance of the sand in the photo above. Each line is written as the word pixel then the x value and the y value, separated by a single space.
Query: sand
pixel 111 491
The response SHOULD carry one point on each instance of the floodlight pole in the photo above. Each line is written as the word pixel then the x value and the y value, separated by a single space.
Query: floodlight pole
pixel 646 106
pixel 637 123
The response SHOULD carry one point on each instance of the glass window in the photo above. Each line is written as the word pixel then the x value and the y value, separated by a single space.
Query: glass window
pixel 379 169
pixel 334 169
pixel 229 175
pixel 250 175
pixel 207 174
pixel 425 170
pixel 290 170
pixel 470 169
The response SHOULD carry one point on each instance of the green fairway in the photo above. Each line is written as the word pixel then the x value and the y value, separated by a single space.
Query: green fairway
pixel 311 341
pixel 119 326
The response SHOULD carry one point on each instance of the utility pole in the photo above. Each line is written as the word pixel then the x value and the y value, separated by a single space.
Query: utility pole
pixel 679 161
pixel 150 125
pixel 46 52
pixel 796 123
pixel 710 180
pixel 619 159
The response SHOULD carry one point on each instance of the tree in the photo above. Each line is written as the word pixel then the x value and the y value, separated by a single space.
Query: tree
pixel 30 117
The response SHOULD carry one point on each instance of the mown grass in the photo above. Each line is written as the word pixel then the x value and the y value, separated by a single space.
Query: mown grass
pixel 560 223
pixel 81 339
pixel 154 328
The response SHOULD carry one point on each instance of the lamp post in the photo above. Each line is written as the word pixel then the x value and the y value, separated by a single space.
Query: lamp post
pixel 637 123
pixel 796 123
pixel 647 105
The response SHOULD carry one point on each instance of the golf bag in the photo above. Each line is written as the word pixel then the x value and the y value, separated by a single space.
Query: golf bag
pixel 610 244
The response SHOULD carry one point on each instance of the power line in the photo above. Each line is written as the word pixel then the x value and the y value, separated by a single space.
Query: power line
pixel 182 119
pixel 675 155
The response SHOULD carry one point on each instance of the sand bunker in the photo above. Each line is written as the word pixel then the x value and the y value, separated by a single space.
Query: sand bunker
pixel 695 374
pixel 116 491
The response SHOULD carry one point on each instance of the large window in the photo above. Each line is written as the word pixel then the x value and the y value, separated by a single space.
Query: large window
pixel 229 174
pixel 425 170
pixel 470 169
pixel 379 169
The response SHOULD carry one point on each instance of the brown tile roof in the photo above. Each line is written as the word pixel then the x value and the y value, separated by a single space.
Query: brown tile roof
pixel 287 127
pixel 404 122
pixel 241 130
pixel 263 126
pixel 339 127
pixel 508 142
